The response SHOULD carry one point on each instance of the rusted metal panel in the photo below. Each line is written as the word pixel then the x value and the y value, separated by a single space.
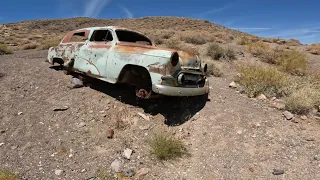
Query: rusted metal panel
pixel 107 59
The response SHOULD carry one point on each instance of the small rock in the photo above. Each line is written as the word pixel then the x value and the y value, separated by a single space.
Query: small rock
pixel 58 172
pixel 145 127
pixel 129 172
pixel 83 170
pixel 1 144
pixel 75 83
pixel 233 85
pixel 261 97
pixel 63 108
pixel 82 124
pixel 110 133
pixel 20 113
pixel 144 116
pixel 239 132
pixel 278 105
pixel 273 98
pixel 288 115
pixel 91 111
pixel 142 172
pixel 116 165
pixel 277 171
pixel 303 117
pixel 127 153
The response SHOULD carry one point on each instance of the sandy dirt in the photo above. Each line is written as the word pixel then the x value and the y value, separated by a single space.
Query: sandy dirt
pixel 230 136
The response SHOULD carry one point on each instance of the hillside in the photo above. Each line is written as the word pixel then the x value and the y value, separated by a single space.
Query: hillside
pixel 261 119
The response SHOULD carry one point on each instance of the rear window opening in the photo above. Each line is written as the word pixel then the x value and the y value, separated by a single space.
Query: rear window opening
pixel 101 36
pixel 133 37
pixel 78 37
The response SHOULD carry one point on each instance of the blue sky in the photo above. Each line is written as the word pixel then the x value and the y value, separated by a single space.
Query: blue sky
pixel 299 19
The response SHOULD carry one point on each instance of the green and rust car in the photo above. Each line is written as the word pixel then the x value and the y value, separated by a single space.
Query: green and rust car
pixel 119 55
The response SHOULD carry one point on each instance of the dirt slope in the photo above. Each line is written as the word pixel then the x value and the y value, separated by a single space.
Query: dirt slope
pixel 229 137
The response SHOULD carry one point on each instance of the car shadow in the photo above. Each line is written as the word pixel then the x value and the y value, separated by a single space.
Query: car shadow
pixel 176 110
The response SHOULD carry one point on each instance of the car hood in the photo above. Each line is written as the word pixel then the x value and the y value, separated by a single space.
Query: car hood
pixel 187 60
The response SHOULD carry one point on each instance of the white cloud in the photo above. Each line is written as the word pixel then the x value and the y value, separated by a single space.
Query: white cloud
pixel 127 11
pixel 94 7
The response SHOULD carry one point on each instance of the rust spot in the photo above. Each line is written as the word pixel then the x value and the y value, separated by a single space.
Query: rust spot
pixel 160 70
pixel 100 46
pixel 67 38
pixel 185 56
pixel 137 48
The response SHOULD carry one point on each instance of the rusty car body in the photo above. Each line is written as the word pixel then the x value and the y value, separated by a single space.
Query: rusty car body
pixel 119 55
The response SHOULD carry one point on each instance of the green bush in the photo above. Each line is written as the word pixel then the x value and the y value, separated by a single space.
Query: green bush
pixel 48 43
pixel 216 52
pixel 303 100
pixel 256 80
pixel 7 175
pixel 293 62
pixel 5 50
pixel 164 147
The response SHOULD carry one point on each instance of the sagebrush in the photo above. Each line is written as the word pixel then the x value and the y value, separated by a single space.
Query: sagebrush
pixel 256 80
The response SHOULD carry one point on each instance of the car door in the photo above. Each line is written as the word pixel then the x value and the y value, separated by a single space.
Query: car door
pixel 93 56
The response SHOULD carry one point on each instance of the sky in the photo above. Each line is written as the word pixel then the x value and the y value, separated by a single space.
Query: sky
pixel 298 19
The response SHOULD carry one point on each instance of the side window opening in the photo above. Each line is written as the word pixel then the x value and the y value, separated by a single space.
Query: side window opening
pixel 133 37
pixel 101 36
pixel 78 37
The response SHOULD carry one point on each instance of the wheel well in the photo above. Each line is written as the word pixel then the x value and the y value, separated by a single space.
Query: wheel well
pixel 135 75
pixel 57 60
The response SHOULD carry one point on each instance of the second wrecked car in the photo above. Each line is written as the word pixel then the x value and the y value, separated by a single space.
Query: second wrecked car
pixel 118 55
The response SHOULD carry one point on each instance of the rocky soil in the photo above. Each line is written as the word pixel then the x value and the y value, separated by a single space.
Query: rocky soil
pixel 49 131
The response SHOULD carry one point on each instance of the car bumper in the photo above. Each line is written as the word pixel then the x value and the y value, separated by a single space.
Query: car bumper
pixel 180 91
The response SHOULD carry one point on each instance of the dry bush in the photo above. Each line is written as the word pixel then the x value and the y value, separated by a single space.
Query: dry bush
pixel 258 48
pixel 244 40
pixel 189 49
pixel 270 56
pixel 165 147
pixel 216 52
pixel 256 80
pixel 303 100
pixel 212 69
pixel 314 49
pixel 49 43
pixel 172 44
pixel 195 40
pixel 293 42
pixel 4 49
pixel 293 62
pixel 7 175
pixel 30 46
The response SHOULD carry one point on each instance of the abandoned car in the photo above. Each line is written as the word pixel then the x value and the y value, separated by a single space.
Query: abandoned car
pixel 119 55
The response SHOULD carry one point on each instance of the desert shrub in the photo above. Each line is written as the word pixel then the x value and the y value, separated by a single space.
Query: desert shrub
pixel 303 100
pixel 46 44
pixel 173 44
pixel 314 49
pixel 230 54
pixel 258 48
pixel 7 175
pixel 270 56
pixel 189 49
pixel 165 147
pixel 243 40
pixel 4 49
pixel 30 46
pixel 212 69
pixel 217 52
pixel 195 40
pixel 256 80
pixel 293 62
